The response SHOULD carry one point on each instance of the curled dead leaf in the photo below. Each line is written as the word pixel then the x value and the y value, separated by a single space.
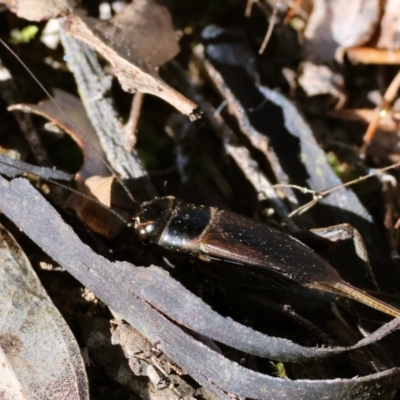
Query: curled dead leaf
pixel 96 217
pixel 131 45
pixel 72 106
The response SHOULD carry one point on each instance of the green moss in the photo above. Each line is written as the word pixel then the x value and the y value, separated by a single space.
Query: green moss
pixel 279 370
pixel 24 35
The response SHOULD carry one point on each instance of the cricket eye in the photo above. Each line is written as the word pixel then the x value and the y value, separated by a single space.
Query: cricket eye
pixel 144 230
pixel 152 218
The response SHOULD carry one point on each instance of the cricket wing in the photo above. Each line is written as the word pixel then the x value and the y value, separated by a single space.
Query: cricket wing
pixel 236 241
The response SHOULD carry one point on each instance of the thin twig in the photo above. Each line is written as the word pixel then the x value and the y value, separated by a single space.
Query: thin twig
pixel 249 7
pixel 270 29
pixel 131 126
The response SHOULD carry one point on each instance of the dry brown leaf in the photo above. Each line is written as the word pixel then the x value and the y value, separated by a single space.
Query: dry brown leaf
pixel 90 177
pixel 72 107
pixel 39 356
pixel 39 10
pixel 339 24
pixel 99 219
pixel 135 43
pixel 142 31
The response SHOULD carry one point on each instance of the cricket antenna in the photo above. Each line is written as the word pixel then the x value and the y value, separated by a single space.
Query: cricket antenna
pixel 69 119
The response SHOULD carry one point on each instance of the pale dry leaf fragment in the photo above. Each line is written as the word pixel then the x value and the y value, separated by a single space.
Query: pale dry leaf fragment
pixel 335 25
pixel 51 34
pixel 135 43
pixel 39 356
pixel 390 26
pixel 320 79
pixel 39 10
pixel 144 357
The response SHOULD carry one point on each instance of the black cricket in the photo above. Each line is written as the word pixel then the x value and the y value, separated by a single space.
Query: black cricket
pixel 234 242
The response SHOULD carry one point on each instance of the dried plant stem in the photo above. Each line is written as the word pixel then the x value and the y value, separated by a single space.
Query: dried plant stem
pixel 388 98
pixel 319 195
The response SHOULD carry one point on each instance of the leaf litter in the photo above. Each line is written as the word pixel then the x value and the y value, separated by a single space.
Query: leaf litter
pixel 157 294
